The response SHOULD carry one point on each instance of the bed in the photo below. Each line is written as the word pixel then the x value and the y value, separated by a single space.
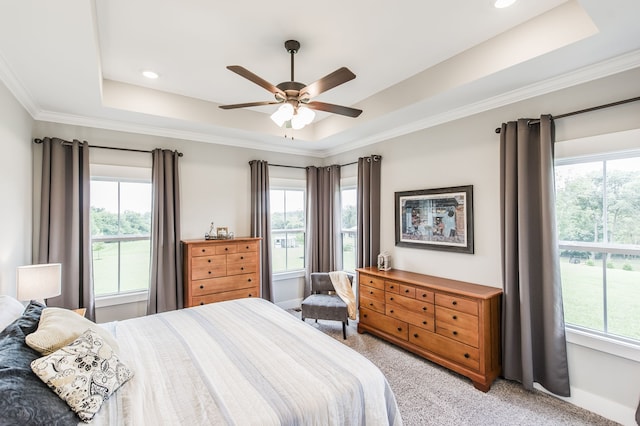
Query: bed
pixel 244 362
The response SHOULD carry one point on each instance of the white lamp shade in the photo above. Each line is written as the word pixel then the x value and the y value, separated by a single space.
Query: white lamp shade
pixel 303 117
pixel 282 114
pixel 39 282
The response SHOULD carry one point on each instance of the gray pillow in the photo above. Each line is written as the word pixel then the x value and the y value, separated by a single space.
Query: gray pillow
pixel 24 398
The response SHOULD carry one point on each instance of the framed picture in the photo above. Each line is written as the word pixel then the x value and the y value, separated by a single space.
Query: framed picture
pixel 435 219
pixel 222 232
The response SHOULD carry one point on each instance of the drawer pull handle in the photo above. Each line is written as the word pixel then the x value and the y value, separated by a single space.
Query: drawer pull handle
pixel 455 317
pixel 241 257
pixel 370 304
pixel 424 322
pixel 249 294
pixel 247 247
pixel 391 311
pixel 249 280
pixel 466 355
pixel 202 303
pixel 209 272
pixel 365 315
pixel 424 295
pixel 399 328
pixel 455 333
pixel 201 286
pixel 209 260
pixel 242 268
pixel 424 308
pixel 370 292
pixel 454 303
pixel 391 286
pixel 415 335
pixel 391 298
pixel 370 281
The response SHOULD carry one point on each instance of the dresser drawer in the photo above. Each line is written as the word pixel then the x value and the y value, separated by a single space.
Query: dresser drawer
pixel 242 263
pixel 226 295
pixel 456 319
pixel 372 293
pixel 408 291
pixel 371 281
pixel 202 251
pixel 392 287
pixel 384 323
pixel 248 247
pixel 228 248
pixel 208 267
pixel 424 295
pixel 418 319
pixel 215 285
pixel 457 303
pixel 450 349
pixel 409 304
pixel 469 337
pixel 376 305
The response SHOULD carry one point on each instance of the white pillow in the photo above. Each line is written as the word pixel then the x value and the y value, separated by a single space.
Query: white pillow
pixel 58 327
pixel 10 310
pixel 84 374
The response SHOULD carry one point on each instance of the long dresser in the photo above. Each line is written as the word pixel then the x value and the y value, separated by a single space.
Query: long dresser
pixel 217 270
pixel 452 323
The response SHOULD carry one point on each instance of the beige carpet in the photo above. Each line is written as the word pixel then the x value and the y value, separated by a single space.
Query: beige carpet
pixel 428 394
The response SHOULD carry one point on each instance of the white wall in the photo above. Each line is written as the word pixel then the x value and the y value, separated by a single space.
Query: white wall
pixel 15 189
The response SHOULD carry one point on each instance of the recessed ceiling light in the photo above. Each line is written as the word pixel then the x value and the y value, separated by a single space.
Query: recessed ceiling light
pixel 150 74
pixel 500 4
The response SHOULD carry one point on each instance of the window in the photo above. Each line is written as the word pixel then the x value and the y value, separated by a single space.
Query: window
pixel 120 235
pixel 349 228
pixel 287 229
pixel 598 217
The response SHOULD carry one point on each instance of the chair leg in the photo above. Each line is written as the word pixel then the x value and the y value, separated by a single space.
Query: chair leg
pixel 344 330
pixel 316 320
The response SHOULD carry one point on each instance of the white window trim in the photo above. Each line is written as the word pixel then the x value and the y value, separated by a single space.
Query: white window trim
pixel 603 344
pixel 121 298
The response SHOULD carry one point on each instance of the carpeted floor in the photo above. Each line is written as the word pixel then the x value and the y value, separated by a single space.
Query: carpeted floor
pixel 428 394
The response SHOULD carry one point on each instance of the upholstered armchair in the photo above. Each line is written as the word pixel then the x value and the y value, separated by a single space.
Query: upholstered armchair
pixel 323 302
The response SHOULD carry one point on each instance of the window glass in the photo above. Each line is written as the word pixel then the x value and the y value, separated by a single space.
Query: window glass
pixel 287 229
pixel 120 233
pixel 349 228
pixel 598 217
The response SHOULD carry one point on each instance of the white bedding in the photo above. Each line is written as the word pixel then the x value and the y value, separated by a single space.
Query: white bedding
pixel 244 362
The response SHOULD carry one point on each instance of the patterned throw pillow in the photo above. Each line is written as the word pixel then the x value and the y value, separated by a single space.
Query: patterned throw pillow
pixel 84 374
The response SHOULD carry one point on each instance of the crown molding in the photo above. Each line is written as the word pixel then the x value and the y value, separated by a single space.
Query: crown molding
pixel 583 75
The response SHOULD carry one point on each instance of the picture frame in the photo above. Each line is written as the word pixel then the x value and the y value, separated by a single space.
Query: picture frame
pixel 222 232
pixel 435 219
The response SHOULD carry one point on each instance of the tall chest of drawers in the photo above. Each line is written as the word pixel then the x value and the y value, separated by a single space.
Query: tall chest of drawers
pixel 452 323
pixel 217 270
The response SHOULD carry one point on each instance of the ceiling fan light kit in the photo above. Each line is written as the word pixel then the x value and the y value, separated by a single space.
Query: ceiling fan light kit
pixel 296 109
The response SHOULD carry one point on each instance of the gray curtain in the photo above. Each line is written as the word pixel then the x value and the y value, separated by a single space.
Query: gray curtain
pixel 533 341
pixel 166 286
pixel 324 237
pixel 65 231
pixel 261 221
pixel 368 238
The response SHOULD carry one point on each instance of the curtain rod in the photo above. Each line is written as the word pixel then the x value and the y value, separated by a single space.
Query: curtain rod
pixel 39 141
pixel 375 157
pixel 568 114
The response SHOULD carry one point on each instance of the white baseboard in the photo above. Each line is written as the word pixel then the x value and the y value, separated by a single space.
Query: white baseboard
pixel 599 405
pixel 290 304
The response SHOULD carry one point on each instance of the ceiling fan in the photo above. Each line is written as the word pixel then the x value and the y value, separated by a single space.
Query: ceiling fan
pixel 295 96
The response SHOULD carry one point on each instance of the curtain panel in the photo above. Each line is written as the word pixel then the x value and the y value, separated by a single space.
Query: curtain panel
pixel 166 286
pixel 261 222
pixel 324 237
pixel 65 231
pixel 533 333
pixel 368 211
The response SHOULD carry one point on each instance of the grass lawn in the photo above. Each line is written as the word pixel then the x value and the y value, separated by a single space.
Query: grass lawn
pixel 584 295
pixel 134 267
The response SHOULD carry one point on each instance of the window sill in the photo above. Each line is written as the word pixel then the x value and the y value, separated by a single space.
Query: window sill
pixel 603 344
pixel 121 299
pixel 280 276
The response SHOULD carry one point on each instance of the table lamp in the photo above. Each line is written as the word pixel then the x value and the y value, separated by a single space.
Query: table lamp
pixel 39 282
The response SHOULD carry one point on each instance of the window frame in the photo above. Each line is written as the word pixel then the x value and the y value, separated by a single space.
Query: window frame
pixel 601 340
pixel 347 187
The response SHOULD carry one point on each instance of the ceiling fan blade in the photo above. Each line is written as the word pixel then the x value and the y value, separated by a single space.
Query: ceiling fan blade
pixel 336 78
pixel 249 104
pixel 242 71
pixel 335 109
